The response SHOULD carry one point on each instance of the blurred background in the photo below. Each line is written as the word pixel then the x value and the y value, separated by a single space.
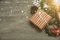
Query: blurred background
pixel 14 21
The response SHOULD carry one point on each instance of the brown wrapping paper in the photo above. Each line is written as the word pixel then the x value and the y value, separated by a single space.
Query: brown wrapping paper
pixel 40 18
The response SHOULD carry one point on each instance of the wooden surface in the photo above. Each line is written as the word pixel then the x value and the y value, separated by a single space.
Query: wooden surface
pixel 14 22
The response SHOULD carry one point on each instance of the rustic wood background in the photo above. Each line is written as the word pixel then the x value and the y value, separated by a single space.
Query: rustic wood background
pixel 14 22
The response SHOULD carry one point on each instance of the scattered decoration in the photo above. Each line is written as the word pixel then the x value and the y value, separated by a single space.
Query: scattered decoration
pixel 22 11
pixel 42 19
pixel 36 2
pixel 56 31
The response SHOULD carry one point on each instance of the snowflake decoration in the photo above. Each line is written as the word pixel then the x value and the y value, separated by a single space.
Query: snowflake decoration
pixel 36 2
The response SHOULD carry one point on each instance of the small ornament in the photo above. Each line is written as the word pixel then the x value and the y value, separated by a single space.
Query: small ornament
pixel 36 2
pixel 45 6
pixel 40 18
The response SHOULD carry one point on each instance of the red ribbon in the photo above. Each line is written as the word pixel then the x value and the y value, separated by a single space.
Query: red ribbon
pixel 56 31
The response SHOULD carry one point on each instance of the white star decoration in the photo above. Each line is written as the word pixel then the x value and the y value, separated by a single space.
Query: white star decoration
pixel 36 2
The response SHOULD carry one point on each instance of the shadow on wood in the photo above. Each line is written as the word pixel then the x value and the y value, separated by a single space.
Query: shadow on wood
pixel 33 9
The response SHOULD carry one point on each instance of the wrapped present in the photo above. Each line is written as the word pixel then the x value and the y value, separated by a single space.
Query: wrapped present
pixel 40 18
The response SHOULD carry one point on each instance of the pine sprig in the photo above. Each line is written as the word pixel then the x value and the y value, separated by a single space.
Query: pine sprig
pixel 41 3
pixel 52 12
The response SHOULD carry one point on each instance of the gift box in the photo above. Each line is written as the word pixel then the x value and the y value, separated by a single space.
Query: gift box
pixel 40 18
